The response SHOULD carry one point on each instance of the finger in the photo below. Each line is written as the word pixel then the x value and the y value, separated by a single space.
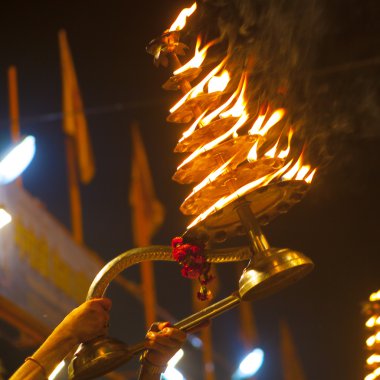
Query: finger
pixel 162 325
pixel 105 303
pixel 174 333
pixel 172 341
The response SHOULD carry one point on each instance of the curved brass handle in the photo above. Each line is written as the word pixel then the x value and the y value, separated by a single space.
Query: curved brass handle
pixel 156 253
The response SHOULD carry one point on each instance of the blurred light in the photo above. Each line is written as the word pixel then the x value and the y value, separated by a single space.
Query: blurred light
pixel 17 160
pixel 56 371
pixel 371 322
pixel 195 341
pixel 373 359
pixel 176 358
pixel 172 374
pixel 375 296
pixel 250 364
pixel 5 218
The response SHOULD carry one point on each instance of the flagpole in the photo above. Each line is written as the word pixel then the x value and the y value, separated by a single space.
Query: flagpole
pixel 74 191
pixel 70 129
pixel 14 112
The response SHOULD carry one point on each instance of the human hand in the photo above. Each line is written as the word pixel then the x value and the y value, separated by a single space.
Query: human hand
pixel 87 321
pixel 163 341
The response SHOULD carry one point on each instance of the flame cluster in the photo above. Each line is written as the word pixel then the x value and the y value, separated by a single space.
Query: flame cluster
pixel 372 325
pixel 271 135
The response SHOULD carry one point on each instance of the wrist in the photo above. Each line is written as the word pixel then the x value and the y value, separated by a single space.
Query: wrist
pixel 149 368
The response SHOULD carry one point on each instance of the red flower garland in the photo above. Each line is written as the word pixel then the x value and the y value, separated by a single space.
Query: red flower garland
pixel 194 265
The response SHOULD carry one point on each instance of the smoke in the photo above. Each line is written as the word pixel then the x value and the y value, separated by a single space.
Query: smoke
pixel 313 58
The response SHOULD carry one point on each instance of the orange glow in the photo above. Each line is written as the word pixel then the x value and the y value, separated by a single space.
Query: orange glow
pixel 199 57
pixel 273 120
pixel 252 154
pixel 238 109
pixel 309 178
pixel 299 172
pixel 211 116
pixel 210 178
pixel 218 83
pixel 222 202
pixel 192 128
pixel 180 21
pixel 271 153
pixel 257 125
pixel 285 153
pixel 217 141
pixel 198 88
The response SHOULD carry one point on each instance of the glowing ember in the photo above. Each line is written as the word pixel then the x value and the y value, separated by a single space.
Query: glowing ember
pixel 180 22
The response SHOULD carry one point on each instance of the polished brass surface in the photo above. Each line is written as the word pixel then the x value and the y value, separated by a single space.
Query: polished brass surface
pixel 97 358
pixel 271 271
pixel 105 354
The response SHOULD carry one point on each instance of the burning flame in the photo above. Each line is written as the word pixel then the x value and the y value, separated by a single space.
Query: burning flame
pixel 285 153
pixel 210 178
pixel 199 87
pixel 222 202
pixel 192 128
pixel 199 56
pixel 273 120
pixel 218 83
pixel 239 107
pixel 211 116
pixel 180 21
pixel 217 141
pixel 252 154
pixel 299 172
pixel 271 153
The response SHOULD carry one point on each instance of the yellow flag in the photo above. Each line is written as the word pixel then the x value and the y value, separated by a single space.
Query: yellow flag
pixel 74 120
pixel 290 362
pixel 148 213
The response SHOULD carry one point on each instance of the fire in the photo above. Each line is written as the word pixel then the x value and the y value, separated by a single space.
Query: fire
pixel 224 201
pixel 210 178
pixel 192 128
pixel 198 89
pixel 218 83
pixel 285 153
pixel 252 154
pixel 180 21
pixel 300 172
pixel 199 57
pixel 211 116
pixel 239 107
pixel 217 141
pixel 271 153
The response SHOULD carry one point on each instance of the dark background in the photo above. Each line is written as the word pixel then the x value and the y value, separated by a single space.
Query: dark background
pixel 336 224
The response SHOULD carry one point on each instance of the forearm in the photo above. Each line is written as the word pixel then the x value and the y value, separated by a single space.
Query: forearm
pixel 46 358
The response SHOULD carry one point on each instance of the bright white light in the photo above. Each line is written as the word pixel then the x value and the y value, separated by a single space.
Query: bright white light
pixel 5 218
pixel 172 374
pixel 56 371
pixel 16 161
pixel 250 364
pixel 176 358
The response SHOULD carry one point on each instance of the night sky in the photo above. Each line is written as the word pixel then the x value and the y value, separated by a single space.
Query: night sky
pixel 336 224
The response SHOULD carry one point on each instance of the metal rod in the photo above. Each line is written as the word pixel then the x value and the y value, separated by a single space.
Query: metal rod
pixel 209 312
pixel 257 239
